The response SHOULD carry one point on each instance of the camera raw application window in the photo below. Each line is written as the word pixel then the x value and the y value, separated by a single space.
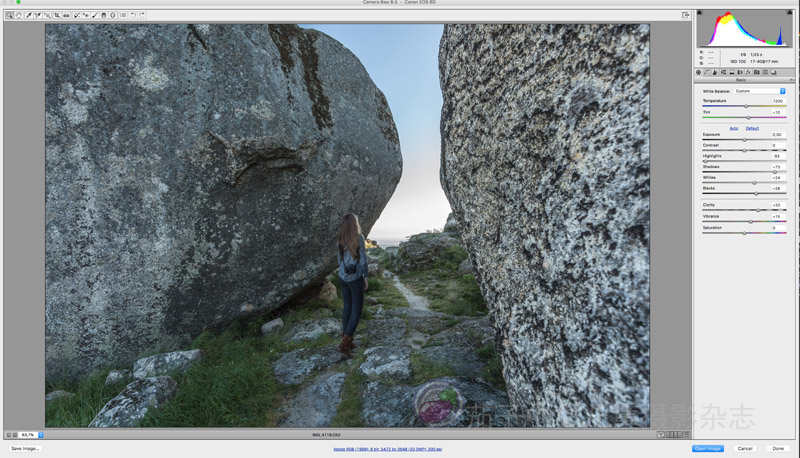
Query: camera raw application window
pixel 429 227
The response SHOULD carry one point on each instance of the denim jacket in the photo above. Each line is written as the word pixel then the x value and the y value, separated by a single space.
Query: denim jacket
pixel 362 268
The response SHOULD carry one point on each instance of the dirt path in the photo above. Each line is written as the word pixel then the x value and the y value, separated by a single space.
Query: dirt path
pixel 416 302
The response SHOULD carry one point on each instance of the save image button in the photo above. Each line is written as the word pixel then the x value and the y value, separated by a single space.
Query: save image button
pixel 708 448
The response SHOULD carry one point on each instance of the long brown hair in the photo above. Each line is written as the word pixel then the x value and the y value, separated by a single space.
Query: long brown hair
pixel 348 235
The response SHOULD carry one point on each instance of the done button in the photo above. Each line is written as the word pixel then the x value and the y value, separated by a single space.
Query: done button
pixel 708 448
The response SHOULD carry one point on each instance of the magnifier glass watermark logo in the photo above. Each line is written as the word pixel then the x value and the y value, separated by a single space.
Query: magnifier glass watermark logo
pixel 439 403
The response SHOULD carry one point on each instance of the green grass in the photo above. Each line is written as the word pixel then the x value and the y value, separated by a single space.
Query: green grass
pixel 89 396
pixel 493 372
pixel 348 414
pixel 446 289
pixel 423 369
pixel 386 293
pixel 233 385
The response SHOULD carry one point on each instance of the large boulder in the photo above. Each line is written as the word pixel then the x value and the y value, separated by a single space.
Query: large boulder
pixel 545 161
pixel 197 173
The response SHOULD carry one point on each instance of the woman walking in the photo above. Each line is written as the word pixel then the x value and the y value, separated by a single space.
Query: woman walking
pixel 353 273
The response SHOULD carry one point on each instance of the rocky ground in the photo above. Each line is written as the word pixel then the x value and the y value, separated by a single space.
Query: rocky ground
pixel 414 366
pixel 402 352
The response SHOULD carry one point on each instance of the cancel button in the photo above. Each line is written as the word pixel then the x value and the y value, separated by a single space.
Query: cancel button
pixel 745 448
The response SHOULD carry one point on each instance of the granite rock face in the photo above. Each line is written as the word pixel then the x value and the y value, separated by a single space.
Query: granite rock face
pixel 545 161
pixel 195 174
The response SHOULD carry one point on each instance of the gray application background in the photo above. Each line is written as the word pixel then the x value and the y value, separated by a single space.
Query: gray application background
pixel 763 24
pixel 670 257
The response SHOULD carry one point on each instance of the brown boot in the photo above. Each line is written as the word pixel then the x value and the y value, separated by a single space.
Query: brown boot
pixel 344 345
pixel 352 344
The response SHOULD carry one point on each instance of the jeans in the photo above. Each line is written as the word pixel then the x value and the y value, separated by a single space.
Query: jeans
pixel 353 297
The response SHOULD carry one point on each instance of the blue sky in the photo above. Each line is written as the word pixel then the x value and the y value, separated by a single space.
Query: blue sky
pixel 402 60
